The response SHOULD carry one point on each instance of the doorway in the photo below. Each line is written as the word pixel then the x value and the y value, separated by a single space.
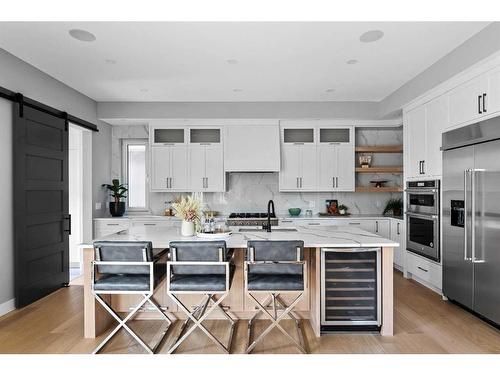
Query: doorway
pixel 80 197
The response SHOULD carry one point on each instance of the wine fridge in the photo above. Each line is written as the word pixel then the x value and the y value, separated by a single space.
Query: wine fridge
pixel 350 289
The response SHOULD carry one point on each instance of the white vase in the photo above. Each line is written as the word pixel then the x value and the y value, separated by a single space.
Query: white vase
pixel 187 228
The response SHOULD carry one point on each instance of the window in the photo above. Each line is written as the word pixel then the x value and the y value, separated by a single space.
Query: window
pixel 135 173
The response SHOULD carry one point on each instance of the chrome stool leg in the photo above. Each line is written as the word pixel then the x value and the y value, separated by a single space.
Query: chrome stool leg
pixel 201 316
pixel 275 322
pixel 296 319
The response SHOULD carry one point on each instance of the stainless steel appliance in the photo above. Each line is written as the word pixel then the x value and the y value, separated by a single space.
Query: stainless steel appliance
pixel 350 289
pixel 251 219
pixel 471 217
pixel 422 218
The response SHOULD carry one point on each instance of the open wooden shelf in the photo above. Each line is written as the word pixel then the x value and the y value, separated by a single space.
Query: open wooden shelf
pixel 393 169
pixel 395 149
pixel 384 189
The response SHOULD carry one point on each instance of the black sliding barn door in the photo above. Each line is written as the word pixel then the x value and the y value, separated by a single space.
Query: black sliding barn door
pixel 41 221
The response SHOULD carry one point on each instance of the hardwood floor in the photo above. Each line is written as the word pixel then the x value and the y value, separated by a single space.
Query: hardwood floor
pixel 423 324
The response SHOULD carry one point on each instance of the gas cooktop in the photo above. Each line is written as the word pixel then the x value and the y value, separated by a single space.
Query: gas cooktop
pixel 249 215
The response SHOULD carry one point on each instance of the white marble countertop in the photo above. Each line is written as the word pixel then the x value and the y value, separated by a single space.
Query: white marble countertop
pixel 280 217
pixel 324 236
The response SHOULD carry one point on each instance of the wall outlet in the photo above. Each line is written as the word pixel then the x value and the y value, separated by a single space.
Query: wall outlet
pixel 312 204
pixel 98 205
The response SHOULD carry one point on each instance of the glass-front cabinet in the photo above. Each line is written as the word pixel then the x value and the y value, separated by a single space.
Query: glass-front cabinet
pixel 160 136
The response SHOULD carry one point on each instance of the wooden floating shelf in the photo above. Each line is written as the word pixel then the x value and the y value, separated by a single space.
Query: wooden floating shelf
pixel 396 149
pixel 395 169
pixel 384 189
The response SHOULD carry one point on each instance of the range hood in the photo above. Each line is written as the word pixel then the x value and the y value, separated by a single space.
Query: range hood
pixel 252 148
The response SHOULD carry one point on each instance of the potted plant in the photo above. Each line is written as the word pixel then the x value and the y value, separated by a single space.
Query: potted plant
pixel 395 205
pixel 187 209
pixel 118 191
pixel 343 209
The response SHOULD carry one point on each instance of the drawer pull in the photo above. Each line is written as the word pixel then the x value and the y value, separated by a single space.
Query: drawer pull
pixel 423 269
pixel 149 224
pixel 112 224
pixel 286 221
pixel 354 223
pixel 312 223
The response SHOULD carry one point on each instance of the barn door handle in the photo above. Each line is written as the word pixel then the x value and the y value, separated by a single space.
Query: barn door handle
pixel 68 218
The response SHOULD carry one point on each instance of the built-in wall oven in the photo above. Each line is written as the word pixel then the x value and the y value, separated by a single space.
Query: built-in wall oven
pixel 422 218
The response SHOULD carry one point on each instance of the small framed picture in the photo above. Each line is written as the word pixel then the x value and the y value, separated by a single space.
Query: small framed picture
pixel 332 206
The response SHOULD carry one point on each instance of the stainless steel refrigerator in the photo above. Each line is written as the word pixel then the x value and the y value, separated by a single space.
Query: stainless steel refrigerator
pixel 471 217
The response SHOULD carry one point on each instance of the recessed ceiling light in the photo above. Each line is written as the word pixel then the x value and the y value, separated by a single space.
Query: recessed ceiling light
pixel 329 90
pixel 371 36
pixel 237 90
pixel 82 35
pixel 232 61
pixel 144 90
pixel 352 61
pixel 110 61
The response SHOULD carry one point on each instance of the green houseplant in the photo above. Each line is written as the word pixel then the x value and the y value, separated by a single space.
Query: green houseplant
pixel 343 209
pixel 394 205
pixel 118 191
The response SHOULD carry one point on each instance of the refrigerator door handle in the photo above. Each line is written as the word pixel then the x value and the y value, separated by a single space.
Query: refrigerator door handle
pixel 466 174
pixel 473 223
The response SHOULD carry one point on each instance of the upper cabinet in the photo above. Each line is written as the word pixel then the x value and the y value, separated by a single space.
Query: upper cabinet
pixel 252 148
pixel 160 136
pixel 317 158
pixel 205 136
pixel 476 98
pixel 423 128
pixel 336 163
pixel 185 159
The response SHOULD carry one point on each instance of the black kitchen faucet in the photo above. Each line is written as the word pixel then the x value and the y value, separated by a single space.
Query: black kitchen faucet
pixel 270 205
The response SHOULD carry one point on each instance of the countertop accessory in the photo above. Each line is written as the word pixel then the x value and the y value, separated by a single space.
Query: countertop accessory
pixel 294 211
pixel 332 206
pixel 337 214
pixel 118 191
pixel 309 213
pixel 187 209
pixel 379 183
pixel 365 161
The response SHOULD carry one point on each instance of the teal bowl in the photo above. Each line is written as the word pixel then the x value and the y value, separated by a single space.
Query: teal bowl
pixel 294 211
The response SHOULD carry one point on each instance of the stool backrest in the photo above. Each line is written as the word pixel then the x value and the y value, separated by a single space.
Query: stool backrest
pixel 275 251
pixel 198 251
pixel 123 251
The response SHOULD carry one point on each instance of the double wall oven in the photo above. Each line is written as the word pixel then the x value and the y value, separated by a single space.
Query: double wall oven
pixel 422 218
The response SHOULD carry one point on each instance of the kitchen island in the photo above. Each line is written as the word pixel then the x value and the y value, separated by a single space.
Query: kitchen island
pixel 96 319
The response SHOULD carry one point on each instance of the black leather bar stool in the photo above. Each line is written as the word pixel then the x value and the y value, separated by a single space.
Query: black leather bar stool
pixel 273 268
pixel 127 268
pixel 205 268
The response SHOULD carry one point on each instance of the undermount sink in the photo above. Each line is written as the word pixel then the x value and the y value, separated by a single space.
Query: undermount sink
pixel 264 230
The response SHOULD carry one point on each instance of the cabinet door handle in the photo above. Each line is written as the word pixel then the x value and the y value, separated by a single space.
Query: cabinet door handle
pixel 376 226
pixel 484 102
pixel 206 181
pixel 149 224
pixel 422 269
pixel 354 223
pixel 479 104
pixel 333 182
pixel 397 230
pixel 336 182
pixel 312 223
pixel 420 167
pixel 297 182
pixel 112 225
pixel 300 182
pixel 423 166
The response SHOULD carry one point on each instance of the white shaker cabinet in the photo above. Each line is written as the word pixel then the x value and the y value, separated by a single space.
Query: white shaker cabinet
pixel 398 235
pixel 206 168
pixel 423 132
pixel 436 121
pixel 336 168
pixel 492 101
pixel 298 169
pixel 169 168
pixel 467 101
pixel 415 146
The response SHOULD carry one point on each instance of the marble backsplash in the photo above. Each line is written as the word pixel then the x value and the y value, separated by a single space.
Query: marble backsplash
pixel 249 192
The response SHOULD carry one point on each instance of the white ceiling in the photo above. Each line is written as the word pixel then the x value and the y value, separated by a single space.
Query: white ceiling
pixel 187 62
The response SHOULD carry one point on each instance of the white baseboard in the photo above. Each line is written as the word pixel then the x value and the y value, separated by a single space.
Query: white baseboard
pixel 7 307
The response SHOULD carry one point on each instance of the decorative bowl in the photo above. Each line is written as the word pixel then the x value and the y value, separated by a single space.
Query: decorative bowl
pixel 294 211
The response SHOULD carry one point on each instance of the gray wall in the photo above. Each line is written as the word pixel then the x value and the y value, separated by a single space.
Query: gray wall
pixel 101 167
pixel 473 50
pixel 19 76
pixel 281 110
